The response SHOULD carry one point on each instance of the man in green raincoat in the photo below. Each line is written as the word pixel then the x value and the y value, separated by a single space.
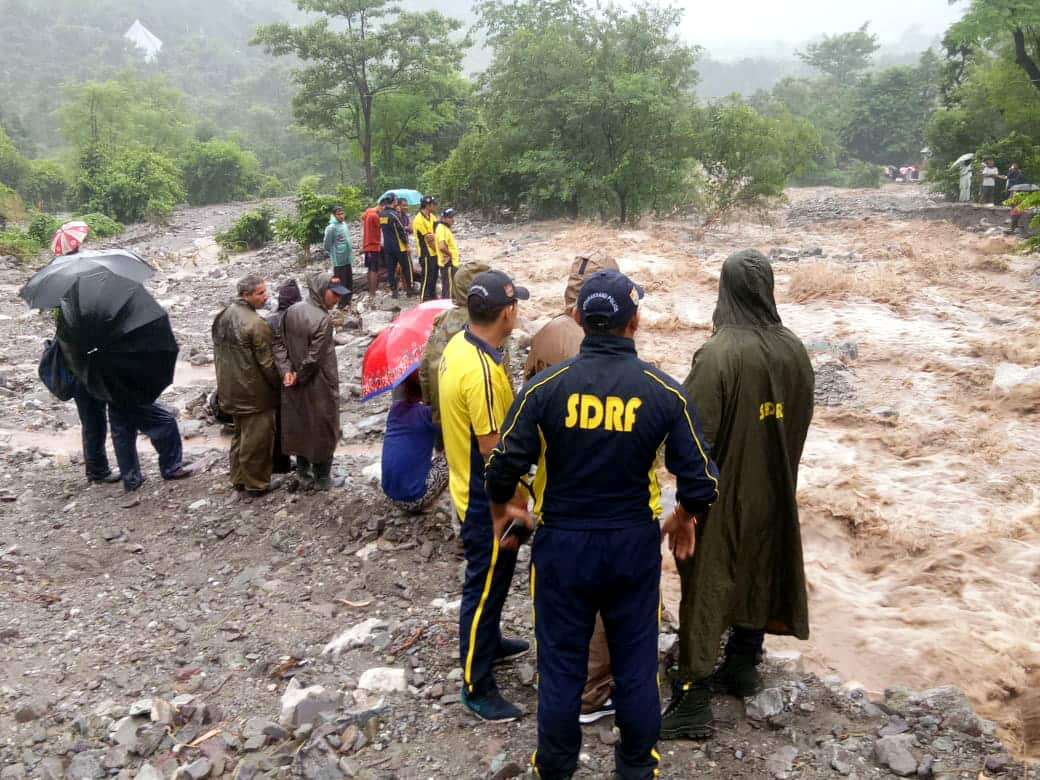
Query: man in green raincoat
pixel 752 386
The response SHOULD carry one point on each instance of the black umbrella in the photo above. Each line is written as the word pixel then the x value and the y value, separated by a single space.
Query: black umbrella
pixel 116 338
pixel 49 285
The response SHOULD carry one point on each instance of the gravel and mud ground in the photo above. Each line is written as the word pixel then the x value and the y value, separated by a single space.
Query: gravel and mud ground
pixel 168 631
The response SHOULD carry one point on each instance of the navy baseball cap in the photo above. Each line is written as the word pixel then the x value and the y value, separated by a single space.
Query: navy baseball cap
pixel 336 285
pixel 495 289
pixel 608 299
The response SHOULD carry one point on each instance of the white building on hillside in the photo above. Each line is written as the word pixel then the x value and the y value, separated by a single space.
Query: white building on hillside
pixel 144 39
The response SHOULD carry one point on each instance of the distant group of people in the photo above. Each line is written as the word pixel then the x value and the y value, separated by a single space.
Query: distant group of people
pixel 388 233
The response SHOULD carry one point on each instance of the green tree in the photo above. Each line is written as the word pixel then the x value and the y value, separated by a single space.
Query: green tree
pixel 889 111
pixel 843 57
pixel 581 106
pixel 219 171
pixel 996 24
pixel 129 186
pixel 748 158
pixel 130 110
pixel 357 51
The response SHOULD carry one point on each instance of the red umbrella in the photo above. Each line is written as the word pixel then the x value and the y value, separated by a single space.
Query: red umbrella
pixel 68 237
pixel 398 349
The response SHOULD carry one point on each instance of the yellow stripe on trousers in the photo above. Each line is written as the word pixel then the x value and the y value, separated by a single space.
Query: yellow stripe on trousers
pixel 480 609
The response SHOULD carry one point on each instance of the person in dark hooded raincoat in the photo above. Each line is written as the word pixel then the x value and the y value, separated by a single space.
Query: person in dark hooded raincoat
pixel 306 357
pixel 752 386
pixel 288 294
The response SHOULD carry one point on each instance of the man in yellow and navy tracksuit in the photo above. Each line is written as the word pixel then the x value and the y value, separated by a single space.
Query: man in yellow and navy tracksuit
pixel 598 421
pixel 424 226
pixel 475 392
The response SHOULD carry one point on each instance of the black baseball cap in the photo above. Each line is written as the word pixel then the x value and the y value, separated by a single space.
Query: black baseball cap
pixel 428 200
pixel 448 212
pixel 388 197
pixel 608 299
pixel 336 285
pixel 495 289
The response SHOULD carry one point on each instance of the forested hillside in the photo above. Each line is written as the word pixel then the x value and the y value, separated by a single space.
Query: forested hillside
pixel 575 109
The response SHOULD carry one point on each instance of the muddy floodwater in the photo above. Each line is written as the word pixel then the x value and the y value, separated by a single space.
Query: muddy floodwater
pixel 919 485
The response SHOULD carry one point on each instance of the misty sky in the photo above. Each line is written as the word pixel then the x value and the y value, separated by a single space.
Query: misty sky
pixel 733 27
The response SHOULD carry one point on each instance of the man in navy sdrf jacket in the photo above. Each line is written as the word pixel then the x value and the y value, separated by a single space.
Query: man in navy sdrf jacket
pixel 595 424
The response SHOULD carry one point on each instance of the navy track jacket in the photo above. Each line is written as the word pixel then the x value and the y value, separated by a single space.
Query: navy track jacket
pixel 597 422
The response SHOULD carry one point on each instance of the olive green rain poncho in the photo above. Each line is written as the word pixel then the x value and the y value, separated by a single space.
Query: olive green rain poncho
pixel 752 387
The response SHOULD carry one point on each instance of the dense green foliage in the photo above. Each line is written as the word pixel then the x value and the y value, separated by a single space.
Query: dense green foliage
pixel 101 225
pixel 251 231
pixel 307 225
pixel 218 171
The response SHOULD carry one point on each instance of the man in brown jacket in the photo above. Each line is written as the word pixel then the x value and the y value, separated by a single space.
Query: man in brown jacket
pixel 559 339
pixel 247 385
pixel 306 357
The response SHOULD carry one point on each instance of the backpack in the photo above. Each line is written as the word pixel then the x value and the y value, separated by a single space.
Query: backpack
pixel 55 374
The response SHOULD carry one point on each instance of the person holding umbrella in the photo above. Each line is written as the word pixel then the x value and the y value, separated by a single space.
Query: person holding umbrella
pixel 248 386
pixel 117 342
pixel 305 354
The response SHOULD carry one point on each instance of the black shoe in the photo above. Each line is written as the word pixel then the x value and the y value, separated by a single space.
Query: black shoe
pixel 109 479
pixel 510 649
pixel 738 676
pixel 491 706
pixel 304 475
pixel 688 715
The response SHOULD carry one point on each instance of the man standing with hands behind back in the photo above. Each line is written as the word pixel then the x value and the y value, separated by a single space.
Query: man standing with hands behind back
pixel 597 422
pixel 306 357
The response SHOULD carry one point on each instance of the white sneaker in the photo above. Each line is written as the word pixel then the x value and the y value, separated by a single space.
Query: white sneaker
pixel 604 710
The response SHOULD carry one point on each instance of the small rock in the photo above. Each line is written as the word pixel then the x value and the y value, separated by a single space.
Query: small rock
pixel 30 711
pixel 357 635
pixel 116 757
pixel 767 704
pixel 163 712
pixel 964 721
pixel 511 769
pixel 86 766
pixel 13 772
pixel 195 506
pixel 924 769
pixel 997 763
pixel 302 705
pixel 893 753
pixel 383 680
pixel 51 768
pixel 943 744
pixel 895 726
pixel 527 673
pixel 781 763
pixel 196 770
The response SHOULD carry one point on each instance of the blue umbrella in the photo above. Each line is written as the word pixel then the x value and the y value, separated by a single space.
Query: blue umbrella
pixel 412 196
